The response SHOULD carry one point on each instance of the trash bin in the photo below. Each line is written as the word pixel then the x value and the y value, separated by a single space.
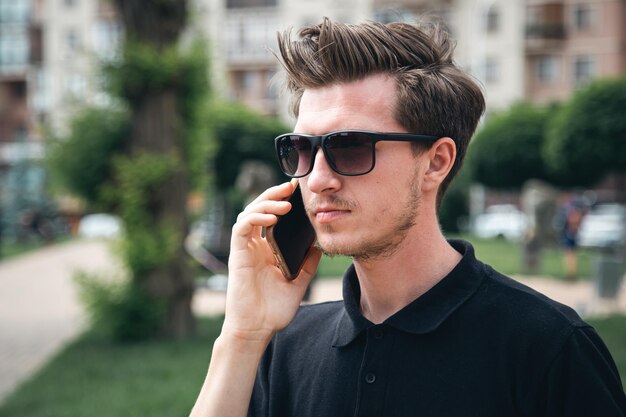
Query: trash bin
pixel 609 273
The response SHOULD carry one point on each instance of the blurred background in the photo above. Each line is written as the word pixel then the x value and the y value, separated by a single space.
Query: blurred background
pixel 148 125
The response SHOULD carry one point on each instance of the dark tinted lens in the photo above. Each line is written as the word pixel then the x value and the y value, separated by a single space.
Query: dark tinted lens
pixel 350 152
pixel 294 154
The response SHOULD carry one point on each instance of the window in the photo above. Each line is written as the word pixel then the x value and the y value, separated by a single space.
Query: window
pixel 584 69
pixel 75 85
pixel 14 49
pixel 547 69
pixel 492 20
pixel 235 4
pixel 72 40
pixel 16 11
pixel 583 17
pixel 492 70
pixel 107 36
pixel 69 3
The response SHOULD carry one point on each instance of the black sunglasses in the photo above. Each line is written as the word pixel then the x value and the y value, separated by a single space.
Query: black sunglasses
pixel 348 152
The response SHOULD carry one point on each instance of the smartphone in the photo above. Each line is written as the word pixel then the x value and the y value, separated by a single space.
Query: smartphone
pixel 292 237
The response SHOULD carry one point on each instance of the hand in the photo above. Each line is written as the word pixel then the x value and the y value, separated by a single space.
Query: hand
pixel 260 300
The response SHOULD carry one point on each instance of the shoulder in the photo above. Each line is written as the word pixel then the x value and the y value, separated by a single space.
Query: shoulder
pixel 525 315
pixel 313 324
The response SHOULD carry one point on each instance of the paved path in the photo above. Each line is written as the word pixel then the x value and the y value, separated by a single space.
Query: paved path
pixel 40 311
pixel 39 307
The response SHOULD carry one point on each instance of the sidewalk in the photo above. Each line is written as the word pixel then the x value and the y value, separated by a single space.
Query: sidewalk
pixel 578 295
pixel 39 306
pixel 40 311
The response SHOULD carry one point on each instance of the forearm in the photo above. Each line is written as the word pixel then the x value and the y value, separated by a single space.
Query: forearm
pixel 227 389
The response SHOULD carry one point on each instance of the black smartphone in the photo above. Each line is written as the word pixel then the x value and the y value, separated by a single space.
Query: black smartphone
pixel 292 237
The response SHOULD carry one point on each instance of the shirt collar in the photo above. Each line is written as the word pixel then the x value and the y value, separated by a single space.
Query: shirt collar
pixel 425 313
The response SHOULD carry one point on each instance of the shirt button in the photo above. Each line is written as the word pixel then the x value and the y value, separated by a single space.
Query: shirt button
pixel 379 334
pixel 370 378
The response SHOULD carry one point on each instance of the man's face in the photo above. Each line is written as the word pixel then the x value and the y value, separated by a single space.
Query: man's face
pixel 369 215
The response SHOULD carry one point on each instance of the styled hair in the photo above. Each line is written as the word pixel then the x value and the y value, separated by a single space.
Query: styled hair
pixel 434 96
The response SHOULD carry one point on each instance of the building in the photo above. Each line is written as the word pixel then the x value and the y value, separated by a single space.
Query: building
pixel 21 179
pixel 243 36
pixel 570 42
pixel 78 36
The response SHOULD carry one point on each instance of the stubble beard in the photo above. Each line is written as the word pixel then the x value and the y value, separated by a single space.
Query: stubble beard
pixel 385 245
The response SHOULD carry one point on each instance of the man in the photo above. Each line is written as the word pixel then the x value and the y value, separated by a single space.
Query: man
pixel 424 329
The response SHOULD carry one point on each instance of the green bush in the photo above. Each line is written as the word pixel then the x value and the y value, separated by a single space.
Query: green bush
pixel 81 163
pixel 587 138
pixel 507 150
pixel 119 309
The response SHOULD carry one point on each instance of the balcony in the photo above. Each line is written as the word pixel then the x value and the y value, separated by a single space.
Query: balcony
pixel 544 36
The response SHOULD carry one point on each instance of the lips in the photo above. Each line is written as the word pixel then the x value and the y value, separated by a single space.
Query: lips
pixel 325 215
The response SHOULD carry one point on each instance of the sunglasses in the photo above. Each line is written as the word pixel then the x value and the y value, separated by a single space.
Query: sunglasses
pixel 348 152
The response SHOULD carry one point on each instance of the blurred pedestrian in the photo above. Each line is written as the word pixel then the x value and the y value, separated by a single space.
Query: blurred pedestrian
pixel 572 214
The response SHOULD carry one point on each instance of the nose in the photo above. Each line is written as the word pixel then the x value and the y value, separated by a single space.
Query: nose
pixel 322 178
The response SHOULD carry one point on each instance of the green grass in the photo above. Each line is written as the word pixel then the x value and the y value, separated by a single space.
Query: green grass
pixel 506 257
pixel 503 255
pixel 92 377
pixel 613 331
pixel 12 249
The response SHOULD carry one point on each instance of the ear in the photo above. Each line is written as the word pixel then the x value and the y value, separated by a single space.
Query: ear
pixel 441 158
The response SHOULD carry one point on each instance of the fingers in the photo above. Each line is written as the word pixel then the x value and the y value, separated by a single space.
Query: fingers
pixel 262 212
pixel 312 261
pixel 276 193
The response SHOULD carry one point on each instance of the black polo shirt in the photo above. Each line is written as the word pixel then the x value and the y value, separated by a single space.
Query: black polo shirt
pixel 477 344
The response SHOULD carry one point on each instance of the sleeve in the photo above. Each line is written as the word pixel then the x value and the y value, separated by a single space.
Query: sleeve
pixel 583 379
pixel 259 402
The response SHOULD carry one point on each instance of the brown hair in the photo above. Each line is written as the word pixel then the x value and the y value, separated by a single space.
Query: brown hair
pixel 434 96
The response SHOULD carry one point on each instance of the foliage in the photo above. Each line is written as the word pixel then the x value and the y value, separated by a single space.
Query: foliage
pixel 81 162
pixel 118 309
pixel 506 151
pixel 101 162
pixel 143 70
pixel 195 112
pixel 241 134
pixel 149 244
pixel 455 203
pixel 587 138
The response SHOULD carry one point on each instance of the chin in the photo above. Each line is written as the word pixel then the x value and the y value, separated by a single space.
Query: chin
pixel 333 247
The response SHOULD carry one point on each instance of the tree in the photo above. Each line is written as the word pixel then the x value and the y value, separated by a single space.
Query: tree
pixel 507 150
pixel 82 161
pixel 162 87
pixel 587 138
pixel 240 135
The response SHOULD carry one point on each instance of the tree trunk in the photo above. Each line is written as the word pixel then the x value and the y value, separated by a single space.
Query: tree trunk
pixel 157 129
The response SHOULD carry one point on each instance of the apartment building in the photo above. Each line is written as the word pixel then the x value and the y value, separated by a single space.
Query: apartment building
pixel 79 35
pixel 21 180
pixel 243 36
pixel 569 43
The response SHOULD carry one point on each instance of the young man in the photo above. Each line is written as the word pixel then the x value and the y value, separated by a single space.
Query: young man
pixel 424 328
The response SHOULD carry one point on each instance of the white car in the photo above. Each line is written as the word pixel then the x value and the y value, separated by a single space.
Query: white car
pixel 502 221
pixel 603 226
pixel 100 225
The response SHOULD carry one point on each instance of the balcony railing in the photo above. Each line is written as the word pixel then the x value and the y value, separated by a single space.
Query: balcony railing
pixel 552 31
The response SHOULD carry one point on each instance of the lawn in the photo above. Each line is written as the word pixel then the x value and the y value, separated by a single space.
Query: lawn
pixel 503 255
pixel 92 377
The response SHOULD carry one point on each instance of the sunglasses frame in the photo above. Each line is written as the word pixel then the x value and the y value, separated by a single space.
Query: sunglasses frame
pixel 320 141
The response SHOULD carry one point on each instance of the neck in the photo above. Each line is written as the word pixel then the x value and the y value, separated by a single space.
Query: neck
pixel 390 283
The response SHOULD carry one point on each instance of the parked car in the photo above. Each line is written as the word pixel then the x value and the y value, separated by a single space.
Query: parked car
pixel 100 225
pixel 604 226
pixel 501 221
